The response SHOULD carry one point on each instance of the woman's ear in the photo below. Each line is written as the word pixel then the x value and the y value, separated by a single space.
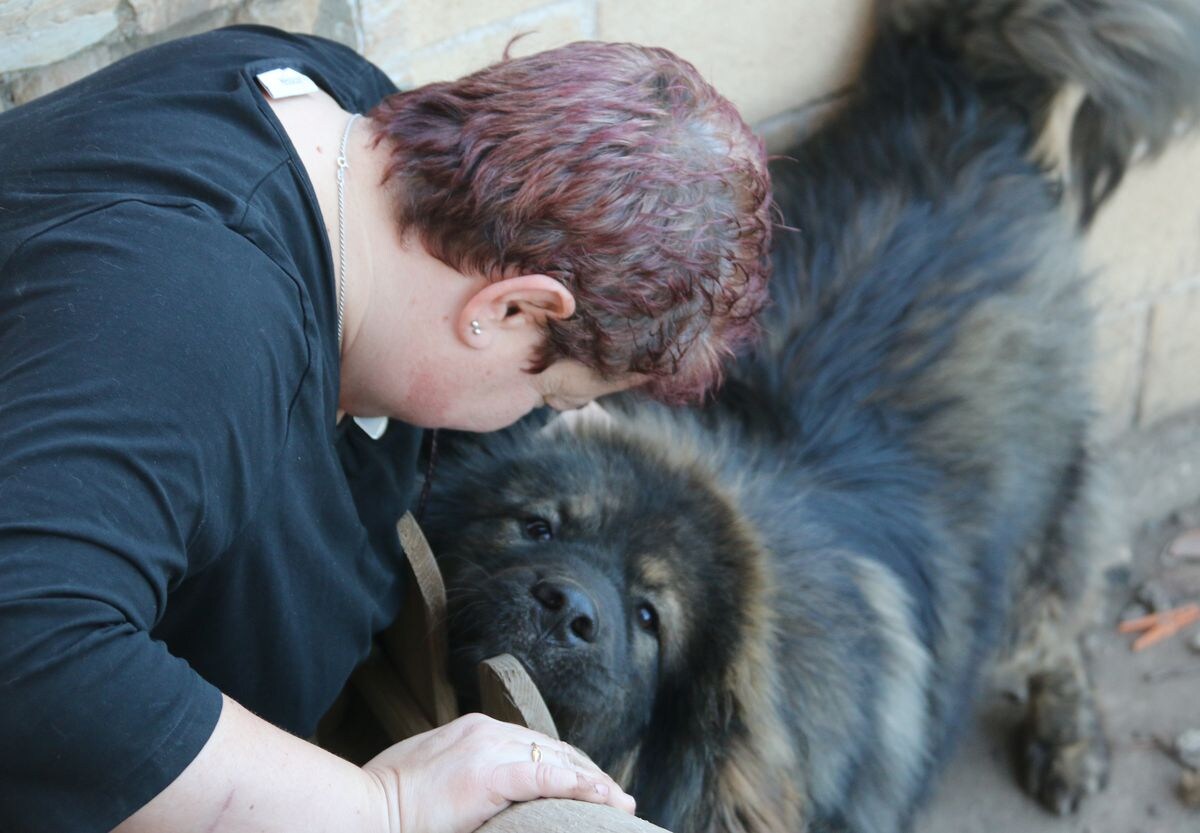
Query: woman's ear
pixel 512 303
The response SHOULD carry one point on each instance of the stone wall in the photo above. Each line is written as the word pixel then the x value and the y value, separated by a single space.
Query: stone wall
pixel 769 56
pixel 45 44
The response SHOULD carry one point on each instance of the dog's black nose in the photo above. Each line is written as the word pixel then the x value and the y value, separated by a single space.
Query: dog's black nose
pixel 567 610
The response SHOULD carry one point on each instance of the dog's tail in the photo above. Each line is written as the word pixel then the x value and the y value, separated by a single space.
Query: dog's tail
pixel 1136 62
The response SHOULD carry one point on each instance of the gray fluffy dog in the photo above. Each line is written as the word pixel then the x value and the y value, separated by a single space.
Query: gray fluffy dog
pixel 774 613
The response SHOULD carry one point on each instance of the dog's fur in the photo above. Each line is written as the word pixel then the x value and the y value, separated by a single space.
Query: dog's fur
pixel 773 614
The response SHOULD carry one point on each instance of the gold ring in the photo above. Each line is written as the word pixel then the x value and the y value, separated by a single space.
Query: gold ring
pixel 535 752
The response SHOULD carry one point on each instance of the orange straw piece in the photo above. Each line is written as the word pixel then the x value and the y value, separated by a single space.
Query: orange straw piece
pixel 1159 626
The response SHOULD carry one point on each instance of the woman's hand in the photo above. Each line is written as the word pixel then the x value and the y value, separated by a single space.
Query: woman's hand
pixel 454 778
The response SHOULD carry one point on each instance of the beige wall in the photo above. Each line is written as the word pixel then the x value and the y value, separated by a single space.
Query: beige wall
pixel 769 56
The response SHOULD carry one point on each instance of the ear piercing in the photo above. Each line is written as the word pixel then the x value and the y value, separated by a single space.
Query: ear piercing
pixel 476 329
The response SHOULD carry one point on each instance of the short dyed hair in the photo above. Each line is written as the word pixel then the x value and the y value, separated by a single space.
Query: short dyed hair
pixel 615 169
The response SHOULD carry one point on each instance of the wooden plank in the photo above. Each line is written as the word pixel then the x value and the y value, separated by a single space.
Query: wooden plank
pixel 389 698
pixel 507 693
pixel 417 643
pixel 550 815
pixel 350 729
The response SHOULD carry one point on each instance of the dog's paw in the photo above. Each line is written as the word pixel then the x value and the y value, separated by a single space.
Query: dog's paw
pixel 1062 754
pixel 1061 776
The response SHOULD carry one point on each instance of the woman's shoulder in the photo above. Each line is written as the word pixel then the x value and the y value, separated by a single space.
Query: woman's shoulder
pixel 157 290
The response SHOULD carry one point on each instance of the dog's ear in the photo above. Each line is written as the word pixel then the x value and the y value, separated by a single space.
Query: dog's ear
pixel 718 755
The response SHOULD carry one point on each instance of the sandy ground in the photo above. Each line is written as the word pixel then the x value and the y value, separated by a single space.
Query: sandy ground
pixel 1148 699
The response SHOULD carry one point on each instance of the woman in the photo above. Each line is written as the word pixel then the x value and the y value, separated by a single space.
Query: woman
pixel 207 261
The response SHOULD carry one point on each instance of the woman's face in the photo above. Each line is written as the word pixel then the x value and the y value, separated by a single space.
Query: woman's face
pixel 439 349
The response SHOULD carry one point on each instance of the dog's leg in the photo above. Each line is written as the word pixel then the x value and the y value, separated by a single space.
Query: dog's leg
pixel 1062 754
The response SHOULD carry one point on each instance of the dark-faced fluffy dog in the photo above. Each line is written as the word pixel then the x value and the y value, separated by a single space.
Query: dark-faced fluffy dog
pixel 773 613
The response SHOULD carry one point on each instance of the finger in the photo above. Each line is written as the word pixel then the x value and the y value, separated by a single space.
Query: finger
pixel 527 781
pixel 577 757
pixel 518 743
pixel 560 754
pixel 564 754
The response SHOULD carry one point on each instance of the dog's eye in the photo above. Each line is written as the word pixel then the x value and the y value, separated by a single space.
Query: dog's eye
pixel 647 617
pixel 538 529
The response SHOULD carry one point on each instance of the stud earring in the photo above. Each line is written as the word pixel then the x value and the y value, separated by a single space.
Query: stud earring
pixel 476 329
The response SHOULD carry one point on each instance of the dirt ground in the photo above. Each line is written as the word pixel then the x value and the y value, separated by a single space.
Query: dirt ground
pixel 1148 699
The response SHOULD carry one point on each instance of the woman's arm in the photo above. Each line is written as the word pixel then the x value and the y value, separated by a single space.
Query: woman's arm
pixel 251 776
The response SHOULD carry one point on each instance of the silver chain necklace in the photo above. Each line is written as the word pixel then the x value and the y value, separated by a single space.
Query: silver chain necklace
pixel 342 165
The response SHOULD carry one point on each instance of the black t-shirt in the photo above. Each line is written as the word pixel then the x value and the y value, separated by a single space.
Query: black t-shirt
pixel 178 512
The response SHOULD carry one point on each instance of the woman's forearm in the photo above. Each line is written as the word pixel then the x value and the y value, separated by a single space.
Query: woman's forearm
pixel 252 776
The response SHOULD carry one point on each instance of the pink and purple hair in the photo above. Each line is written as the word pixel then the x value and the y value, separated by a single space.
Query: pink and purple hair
pixel 613 168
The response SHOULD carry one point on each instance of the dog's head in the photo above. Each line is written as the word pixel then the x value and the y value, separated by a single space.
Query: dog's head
pixel 637 596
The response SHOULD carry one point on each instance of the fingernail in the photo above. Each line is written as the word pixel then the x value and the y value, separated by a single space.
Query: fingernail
pixel 601 789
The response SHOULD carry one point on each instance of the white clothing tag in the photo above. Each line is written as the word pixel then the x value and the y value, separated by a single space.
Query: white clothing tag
pixel 590 414
pixel 373 426
pixel 285 83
